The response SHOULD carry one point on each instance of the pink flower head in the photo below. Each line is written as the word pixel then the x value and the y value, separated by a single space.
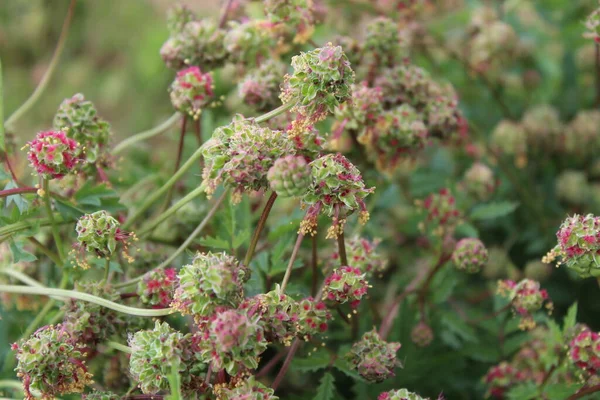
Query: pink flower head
pixel 53 154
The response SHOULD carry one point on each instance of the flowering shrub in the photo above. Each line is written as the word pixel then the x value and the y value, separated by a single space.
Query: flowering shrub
pixel 341 189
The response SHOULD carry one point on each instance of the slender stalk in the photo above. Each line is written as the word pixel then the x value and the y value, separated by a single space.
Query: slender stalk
pixel 288 271
pixel 183 246
pixel 120 347
pixel 597 60
pixel 10 384
pixel 314 266
pixel 23 225
pixel 584 392
pixel 49 72
pixel 259 228
pixel 86 297
pixel 49 253
pixel 342 249
pixel 11 192
pixel 2 132
pixel 155 131
pixel 225 13
pixel 271 114
pixel 106 271
pixel 55 232
pixel 286 364
pixel 21 277
pixel 270 364
pixel 177 159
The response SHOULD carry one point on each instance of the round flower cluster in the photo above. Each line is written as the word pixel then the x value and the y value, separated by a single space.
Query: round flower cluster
pixel 233 341
pixel 400 394
pixel 290 176
pixel 79 119
pixel 260 87
pixel 241 154
pixel 382 39
pixel 191 91
pixel 525 298
pixel 247 389
pixel 406 84
pixel 470 255
pixel 542 126
pixel 444 119
pixel 592 24
pixel 373 358
pixel 361 112
pixel 321 81
pixel 479 181
pixel 493 45
pixel 249 42
pixel 51 361
pixel 582 135
pixel 421 334
pixel 584 351
pixel 157 287
pixel 345 284
pixel 572 187
pixel 397 132
pixel 291 18
pixel 53 155
pixel 578 245
pixel 211 280
pixel 500 378
pixel 362 254
pixel 100 233
pixel 441 212
pixel 336 190
pixel 510 138
pixel 312 318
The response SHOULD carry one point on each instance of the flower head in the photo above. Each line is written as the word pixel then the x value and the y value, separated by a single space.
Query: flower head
pixel 500 378
pixel 421 334
pixel 572 187
pixel 99 233
pixel 247 389
pixel 510 138
pixel 373 358
pixel 260 87
pixel 53 155
pixel 290 176
pixel 401 394
pixel 470 255
pixel 584 351
pixel 249 43
pixel 312 318
pixel 441 212
pixel 291 18
pixel 361 112
pixel 582 135
pixel 345 284
pixel 592 24
pixel 543 127
pixel 525 298
pixel 479 181
pixel 191 91
pixel 362 253
pixel 157 287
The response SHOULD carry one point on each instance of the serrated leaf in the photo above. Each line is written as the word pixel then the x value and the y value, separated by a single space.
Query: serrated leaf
pixel 240 238
pixel 340 365
pixel 19 254
pixel 316 361
pixel 493 210
pixel 326 389
pixel 17 199
pixel 459 327
pixel 214 242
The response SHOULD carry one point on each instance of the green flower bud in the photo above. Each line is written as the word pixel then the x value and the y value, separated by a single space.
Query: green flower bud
pixel 511 139
pixel 99 233
pixel 479 181
pixel 248 389
pixel 421 334
pixel 470 255
pixel 362 254
pixel 260 87
pixel 572 187
pixel 582 136
pixel 543 127
pixel 248 43
pixel 373 358
pixel 290 176
pixel 401 394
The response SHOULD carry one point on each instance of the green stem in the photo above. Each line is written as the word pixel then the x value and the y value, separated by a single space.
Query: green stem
pixel 259 228
pixel 23 225
pixel 342 249
pixel 138 137
pixel 21 277
pixel 271 114
pixel 49 72
pixel 49 253
pixel 120 347
pixel 183 246
pixel 169 212
pixel 55 232
pixel 288 271
pixel 177 161
pixel 141 312
pixel 2 132
pixel 10 384
pixel 106 271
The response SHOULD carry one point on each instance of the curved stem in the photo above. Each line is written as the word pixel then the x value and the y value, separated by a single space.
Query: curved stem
pixel 141 312
pixel 584 392
pixel 286 364
pixel 288 271
pixel 55 232
pixel 37 321
pixel 177 159
pixel 138 137
pixel 2 132
pixel 11 192
pixel 21 277
pixel 183 246
pixel 49 72
pixel 271 114
pixel 225 13
pixel 259 228
pixel 120 347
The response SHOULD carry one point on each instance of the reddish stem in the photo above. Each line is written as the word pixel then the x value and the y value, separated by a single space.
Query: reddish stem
pixel 314 263
pixel 271 364
pixel 286 364
pixel 21 190
pixel 584 392
pixel 342 249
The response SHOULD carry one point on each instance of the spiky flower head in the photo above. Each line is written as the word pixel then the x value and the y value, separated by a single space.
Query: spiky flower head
pixel 290 176
pixel 525 298
pixel 470 255
pixel 500 378
pixel 406 84
pixel 53 155
pixel 345 284
pixel 572 187
pixel 210 281
pixel 312 318
pixel 191 91
pixel 197 43
pixel 321 81
pixel 277 313
pixel 421 334
pixel 543 126
pixel 444 118
pixel 233 341
pixel 396 133
pixel 584 351
pixel 592 24
pixel 241 154
pixel 479 181
pixel 383 38
pixel 155 353
pixel 260 87
pixel 157 287
pixel 51 361
pixel 337 190
pixel 291 19
pixel 360 112
pixel 362 253
pixel 79 119
pixel 100 233
pixel 578 245
pixel 441 213
pixel 582 135
pixel 373 358
pixel 249 43
pixel 400 394
pixel 247 389
pixel 510 138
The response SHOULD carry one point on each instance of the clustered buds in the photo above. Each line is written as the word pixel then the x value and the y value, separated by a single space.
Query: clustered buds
pixel 584 351
pixel 337 190
pixel 260 87
pixel 441 214
pixel 470 255
pixel 345 284
pixel 572 187
pixel 510 138
pixel 191 91
pixel 211 280
pixel 312 318
pixel 290 176
pixel 525 298
pixel 362 254
pixel 479 181
pixel 400 394
pixel 543 126
pixel 51 361
pixel 500 378
pixel 247 389
pixel 157 287
pixel 360 112
pixel 421 334
pixel 578 245
pixel 53 155
pixel 294 19
pixel 582 135
pixel 248 42
pixel 373 358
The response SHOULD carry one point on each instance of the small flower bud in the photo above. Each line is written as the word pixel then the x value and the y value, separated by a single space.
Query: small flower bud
pixel 470 255
pixel 479 181
pixel 100 233
pixel 249 43
pixel 543 126
pixel 500 378
pixel 578 245
pixel 248 389
pixel 441 212
pixel 582 135
pixel 312 318
pixel 290 176
pixel 260 87
pixel 157 287
pixel 584 351
pixel 525 297
pixel 53 155
pixel 401 394
pixel 421 334
pixel 177 17
pixel 345 284
pixel 191 91
pixel 511 139
pixel 373 358
pixel 362 254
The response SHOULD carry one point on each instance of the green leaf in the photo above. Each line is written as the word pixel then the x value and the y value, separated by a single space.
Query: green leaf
pixel 493 210
pixel 19 254
pixel 68 210
pixel 528 391
pixel 318 360
pixel 240 238
pixel 326 389
pixel 341 365
pixel 19 200
pixel 459 327
pixel 571 318
pixel 560 391
pixel 214 242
